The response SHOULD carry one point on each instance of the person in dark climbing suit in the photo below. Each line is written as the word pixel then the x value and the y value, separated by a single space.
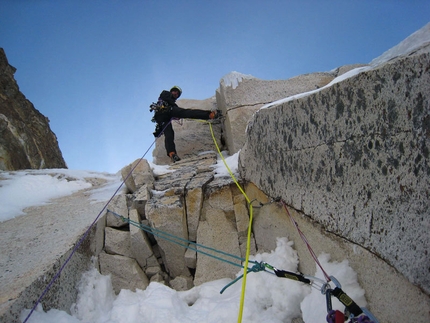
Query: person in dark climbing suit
pixel 167 110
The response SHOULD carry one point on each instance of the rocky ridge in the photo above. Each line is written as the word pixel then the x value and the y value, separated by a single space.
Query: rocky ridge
pixel 26 140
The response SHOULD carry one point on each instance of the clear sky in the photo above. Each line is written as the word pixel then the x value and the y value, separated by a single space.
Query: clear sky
pixel 93 67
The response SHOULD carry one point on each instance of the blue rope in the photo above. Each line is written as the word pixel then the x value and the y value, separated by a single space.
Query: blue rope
pixel 170 237
pixel 258 266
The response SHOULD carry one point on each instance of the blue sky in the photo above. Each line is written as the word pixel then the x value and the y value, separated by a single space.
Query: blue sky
pixel 93 67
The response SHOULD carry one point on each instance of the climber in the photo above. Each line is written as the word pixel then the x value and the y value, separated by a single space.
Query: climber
pixel 166 109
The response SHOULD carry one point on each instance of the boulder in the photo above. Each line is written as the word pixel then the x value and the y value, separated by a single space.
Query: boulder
pixel 153 271
pixel 242 224
pixel 166 215
pixel 191 256
pixel 136 174
pixel 182 283
pixel 235 126
pixel 141 196
pixel 217 230
pixel 118 205
pixel 125 272
pixel 239 96
pixel 269 223
pixel 194 201
pixel 158 278
pixel 117 242
pixel 140 245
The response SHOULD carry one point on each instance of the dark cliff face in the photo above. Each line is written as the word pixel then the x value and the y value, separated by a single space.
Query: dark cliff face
pixel 26 140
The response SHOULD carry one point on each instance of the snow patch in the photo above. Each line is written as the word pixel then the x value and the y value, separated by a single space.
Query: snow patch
pixel 26 188
pixel 234 78
pixel 232 163
pixel 405 47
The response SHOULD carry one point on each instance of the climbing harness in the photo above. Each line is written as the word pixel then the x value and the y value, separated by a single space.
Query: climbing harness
pixel 161 109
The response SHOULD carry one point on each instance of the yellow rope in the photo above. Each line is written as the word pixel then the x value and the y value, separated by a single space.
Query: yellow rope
pixel 248 243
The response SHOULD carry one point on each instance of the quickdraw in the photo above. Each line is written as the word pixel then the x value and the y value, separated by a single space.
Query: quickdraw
pixel 159 106
pixel 353 312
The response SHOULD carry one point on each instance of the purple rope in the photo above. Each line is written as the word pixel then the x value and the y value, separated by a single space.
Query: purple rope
pixel 363 319
pixel 331 318
pixel 89 228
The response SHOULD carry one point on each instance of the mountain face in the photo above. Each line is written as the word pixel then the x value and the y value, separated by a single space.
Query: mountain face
pixel 26 140
pixel 355 157
pixel 348 155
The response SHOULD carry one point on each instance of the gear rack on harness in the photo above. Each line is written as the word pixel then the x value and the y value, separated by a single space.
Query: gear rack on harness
pixel 159 107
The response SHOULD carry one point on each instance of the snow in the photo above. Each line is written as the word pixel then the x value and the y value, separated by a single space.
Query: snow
pixel 234 78
pixel 232 163
pixel 267 299
pixel 348 279
pixel 158 170
pixel 405 47
pixel 338 79
pixel 22 189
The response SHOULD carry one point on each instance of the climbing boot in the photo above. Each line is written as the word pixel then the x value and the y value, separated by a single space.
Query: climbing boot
pixel 215 115
pixel 175 158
